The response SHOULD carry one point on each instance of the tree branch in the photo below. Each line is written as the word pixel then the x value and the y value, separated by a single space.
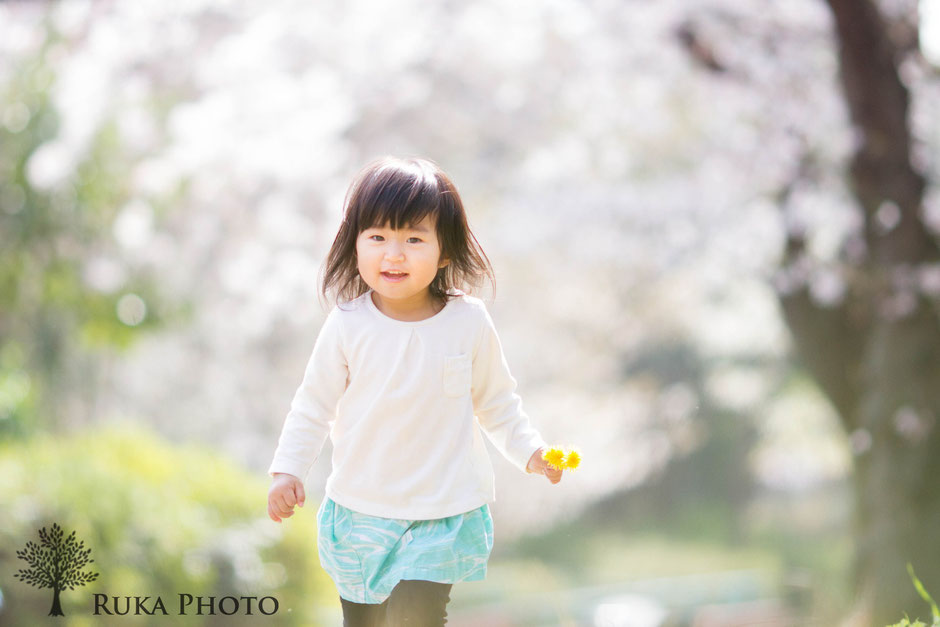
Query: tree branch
pixel 877 100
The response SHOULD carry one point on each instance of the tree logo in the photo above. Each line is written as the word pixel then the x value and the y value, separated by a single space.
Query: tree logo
pixel 55 563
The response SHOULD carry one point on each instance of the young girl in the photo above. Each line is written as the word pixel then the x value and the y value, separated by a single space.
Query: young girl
pixel 406 371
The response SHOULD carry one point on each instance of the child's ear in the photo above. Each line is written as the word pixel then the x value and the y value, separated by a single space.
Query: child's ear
pixel 443 263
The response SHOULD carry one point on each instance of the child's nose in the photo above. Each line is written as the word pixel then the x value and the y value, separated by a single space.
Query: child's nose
pixel 394 251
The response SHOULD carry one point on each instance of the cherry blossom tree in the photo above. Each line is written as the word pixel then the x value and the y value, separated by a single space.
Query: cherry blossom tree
pixel 874 351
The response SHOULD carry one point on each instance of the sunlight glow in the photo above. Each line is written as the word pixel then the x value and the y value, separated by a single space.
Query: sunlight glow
pixel 930 30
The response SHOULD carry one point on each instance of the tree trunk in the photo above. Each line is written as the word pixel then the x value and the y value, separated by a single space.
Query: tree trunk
pixel 56 606
pixel 877 354
pixel 888 400
pixel 898 497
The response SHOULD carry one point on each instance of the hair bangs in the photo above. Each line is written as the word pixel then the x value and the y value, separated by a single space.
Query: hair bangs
pixel 397 197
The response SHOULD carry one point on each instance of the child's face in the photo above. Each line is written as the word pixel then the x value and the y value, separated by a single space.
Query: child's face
pixel 400 264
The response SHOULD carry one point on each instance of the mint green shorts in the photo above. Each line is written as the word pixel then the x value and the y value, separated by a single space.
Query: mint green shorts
pixel 366 556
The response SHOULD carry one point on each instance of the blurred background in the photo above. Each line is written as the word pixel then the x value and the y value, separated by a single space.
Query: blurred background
pixel 714 230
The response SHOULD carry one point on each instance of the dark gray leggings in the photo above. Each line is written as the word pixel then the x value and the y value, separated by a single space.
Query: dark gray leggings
pixel 413 602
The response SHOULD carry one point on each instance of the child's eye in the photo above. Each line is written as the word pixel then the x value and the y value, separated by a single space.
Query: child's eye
pixel 377 238
pixel 414 240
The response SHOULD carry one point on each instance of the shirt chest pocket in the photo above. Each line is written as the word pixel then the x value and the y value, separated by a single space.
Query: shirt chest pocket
pixel 457 374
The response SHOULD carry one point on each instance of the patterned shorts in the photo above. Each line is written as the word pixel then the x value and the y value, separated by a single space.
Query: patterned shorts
pixel 366 556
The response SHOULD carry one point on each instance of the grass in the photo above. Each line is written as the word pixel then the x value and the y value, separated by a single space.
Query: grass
pixel 799 559
pixel 935 612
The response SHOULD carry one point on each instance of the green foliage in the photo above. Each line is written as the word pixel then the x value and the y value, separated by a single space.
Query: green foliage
pixel 55 321
pixel 906 622
pixel 160 520
pixel 934 610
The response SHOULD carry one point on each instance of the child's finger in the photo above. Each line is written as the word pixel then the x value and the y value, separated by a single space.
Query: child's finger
pixel 283 504
pixel 288 498
pixel 299 493
pixel 272 515
pixel 282 511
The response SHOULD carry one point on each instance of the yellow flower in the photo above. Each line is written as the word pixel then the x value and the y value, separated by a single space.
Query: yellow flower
pixel 555 458
pixel 572 460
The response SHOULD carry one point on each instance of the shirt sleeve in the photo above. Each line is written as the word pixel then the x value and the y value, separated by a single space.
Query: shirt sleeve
pixel 496 404
pixel 313 409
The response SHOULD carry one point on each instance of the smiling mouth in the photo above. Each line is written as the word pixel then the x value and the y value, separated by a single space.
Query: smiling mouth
pixel 394 276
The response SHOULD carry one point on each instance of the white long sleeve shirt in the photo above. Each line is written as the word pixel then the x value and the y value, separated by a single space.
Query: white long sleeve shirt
pixel 404 404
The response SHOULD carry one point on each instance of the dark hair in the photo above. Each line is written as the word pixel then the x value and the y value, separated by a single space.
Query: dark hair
pixel 401 192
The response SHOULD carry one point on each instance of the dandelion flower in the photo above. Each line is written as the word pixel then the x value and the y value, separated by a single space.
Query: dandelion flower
pixel 572 459
pixel 555 458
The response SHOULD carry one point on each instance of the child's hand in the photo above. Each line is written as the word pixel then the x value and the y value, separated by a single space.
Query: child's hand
pixel 539 466
pixel 286 491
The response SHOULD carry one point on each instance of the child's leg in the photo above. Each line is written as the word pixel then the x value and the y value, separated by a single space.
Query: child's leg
pixel 418 603
pixel 363 614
